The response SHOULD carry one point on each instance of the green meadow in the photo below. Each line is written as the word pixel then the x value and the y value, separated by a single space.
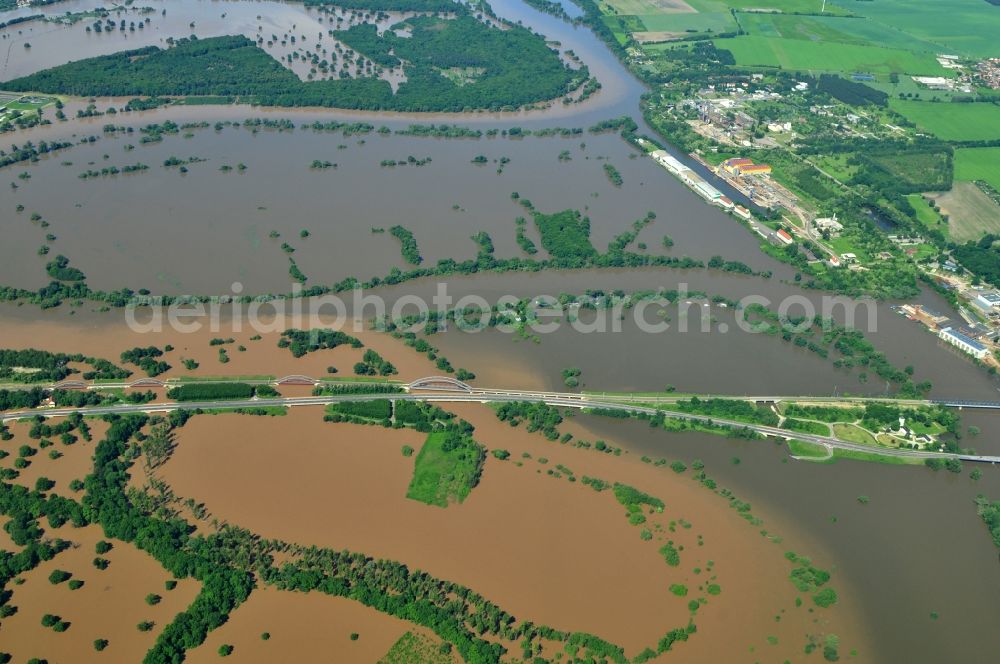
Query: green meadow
pixel 788 6
pixel 926 215
pixel 960 27
pixel 802 55
pixel 978 164
pixel 841 29
pixel 709 22
pixel 952 122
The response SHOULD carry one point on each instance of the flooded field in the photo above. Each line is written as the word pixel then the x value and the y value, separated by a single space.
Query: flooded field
pixel 57 461
pixel 53 44
pixel 108 606
pixel 630 359
pixel 201 231
pixel 298 625
pixel 107 337
pixel 900 550
pixel 913 565
pixel 517 539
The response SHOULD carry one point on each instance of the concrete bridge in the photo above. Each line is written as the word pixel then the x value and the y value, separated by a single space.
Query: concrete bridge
pixel 443 383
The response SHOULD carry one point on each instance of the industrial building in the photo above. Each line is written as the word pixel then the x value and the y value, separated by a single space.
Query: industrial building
pixel 963 342
pixel 744 166
pixel 989 300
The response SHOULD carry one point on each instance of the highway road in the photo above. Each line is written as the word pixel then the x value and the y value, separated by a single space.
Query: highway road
pixel 569 400
pixel 664 398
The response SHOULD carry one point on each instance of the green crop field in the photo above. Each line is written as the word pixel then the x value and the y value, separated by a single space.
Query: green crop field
pixel 801 55
pixel 668 16
pixel 709 22
pixel 616 30
pixel 978 164
pixel 789 6
pixel 960 27
pixel 952 122
pixel 841 29
pixel 639 7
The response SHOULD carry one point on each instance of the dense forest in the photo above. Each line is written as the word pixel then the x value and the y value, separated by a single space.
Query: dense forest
pixel 850 92
pixel 30 365
pixel 981 258
pixel 566 235
pixel 211 391
pixel 409 249
pixel 512 67
pixel 300 342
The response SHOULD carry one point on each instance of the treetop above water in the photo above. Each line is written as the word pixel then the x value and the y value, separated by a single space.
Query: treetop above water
pixel 502 68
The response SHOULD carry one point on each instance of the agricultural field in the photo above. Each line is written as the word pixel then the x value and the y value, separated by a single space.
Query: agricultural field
pixel 680 23
pixel 962 27
pixel 978 164
pixel 660 20
pixel 798 54
pixel 788 6
pixel 971 212
pixel 952 122
pixel 641 7
pixel 841 29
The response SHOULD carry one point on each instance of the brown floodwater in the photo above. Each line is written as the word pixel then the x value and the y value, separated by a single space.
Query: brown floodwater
pixel 543 548
pixel 108 606
pixel 202 231
pixel 916 549
pixel 74 463
pixel 629 359
pixel 53 44
pixel 301 626
pixel 105 337
pixel 539 546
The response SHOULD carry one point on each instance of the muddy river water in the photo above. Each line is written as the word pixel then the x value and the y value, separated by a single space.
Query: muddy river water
pixel 916 549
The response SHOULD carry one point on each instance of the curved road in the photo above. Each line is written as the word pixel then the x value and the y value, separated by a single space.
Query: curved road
pixel 567 400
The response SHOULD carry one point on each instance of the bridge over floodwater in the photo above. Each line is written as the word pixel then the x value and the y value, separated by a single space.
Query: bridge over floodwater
pixel 446 383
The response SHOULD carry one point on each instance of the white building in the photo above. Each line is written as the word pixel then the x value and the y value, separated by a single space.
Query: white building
pixel 829 224
pixel 990 299
pixel 934 82
pixel 967 344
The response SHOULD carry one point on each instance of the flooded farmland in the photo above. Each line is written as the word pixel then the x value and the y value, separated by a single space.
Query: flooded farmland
pixel 202 230
pixel 913 564
pixel 515 515
pixel 924 607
